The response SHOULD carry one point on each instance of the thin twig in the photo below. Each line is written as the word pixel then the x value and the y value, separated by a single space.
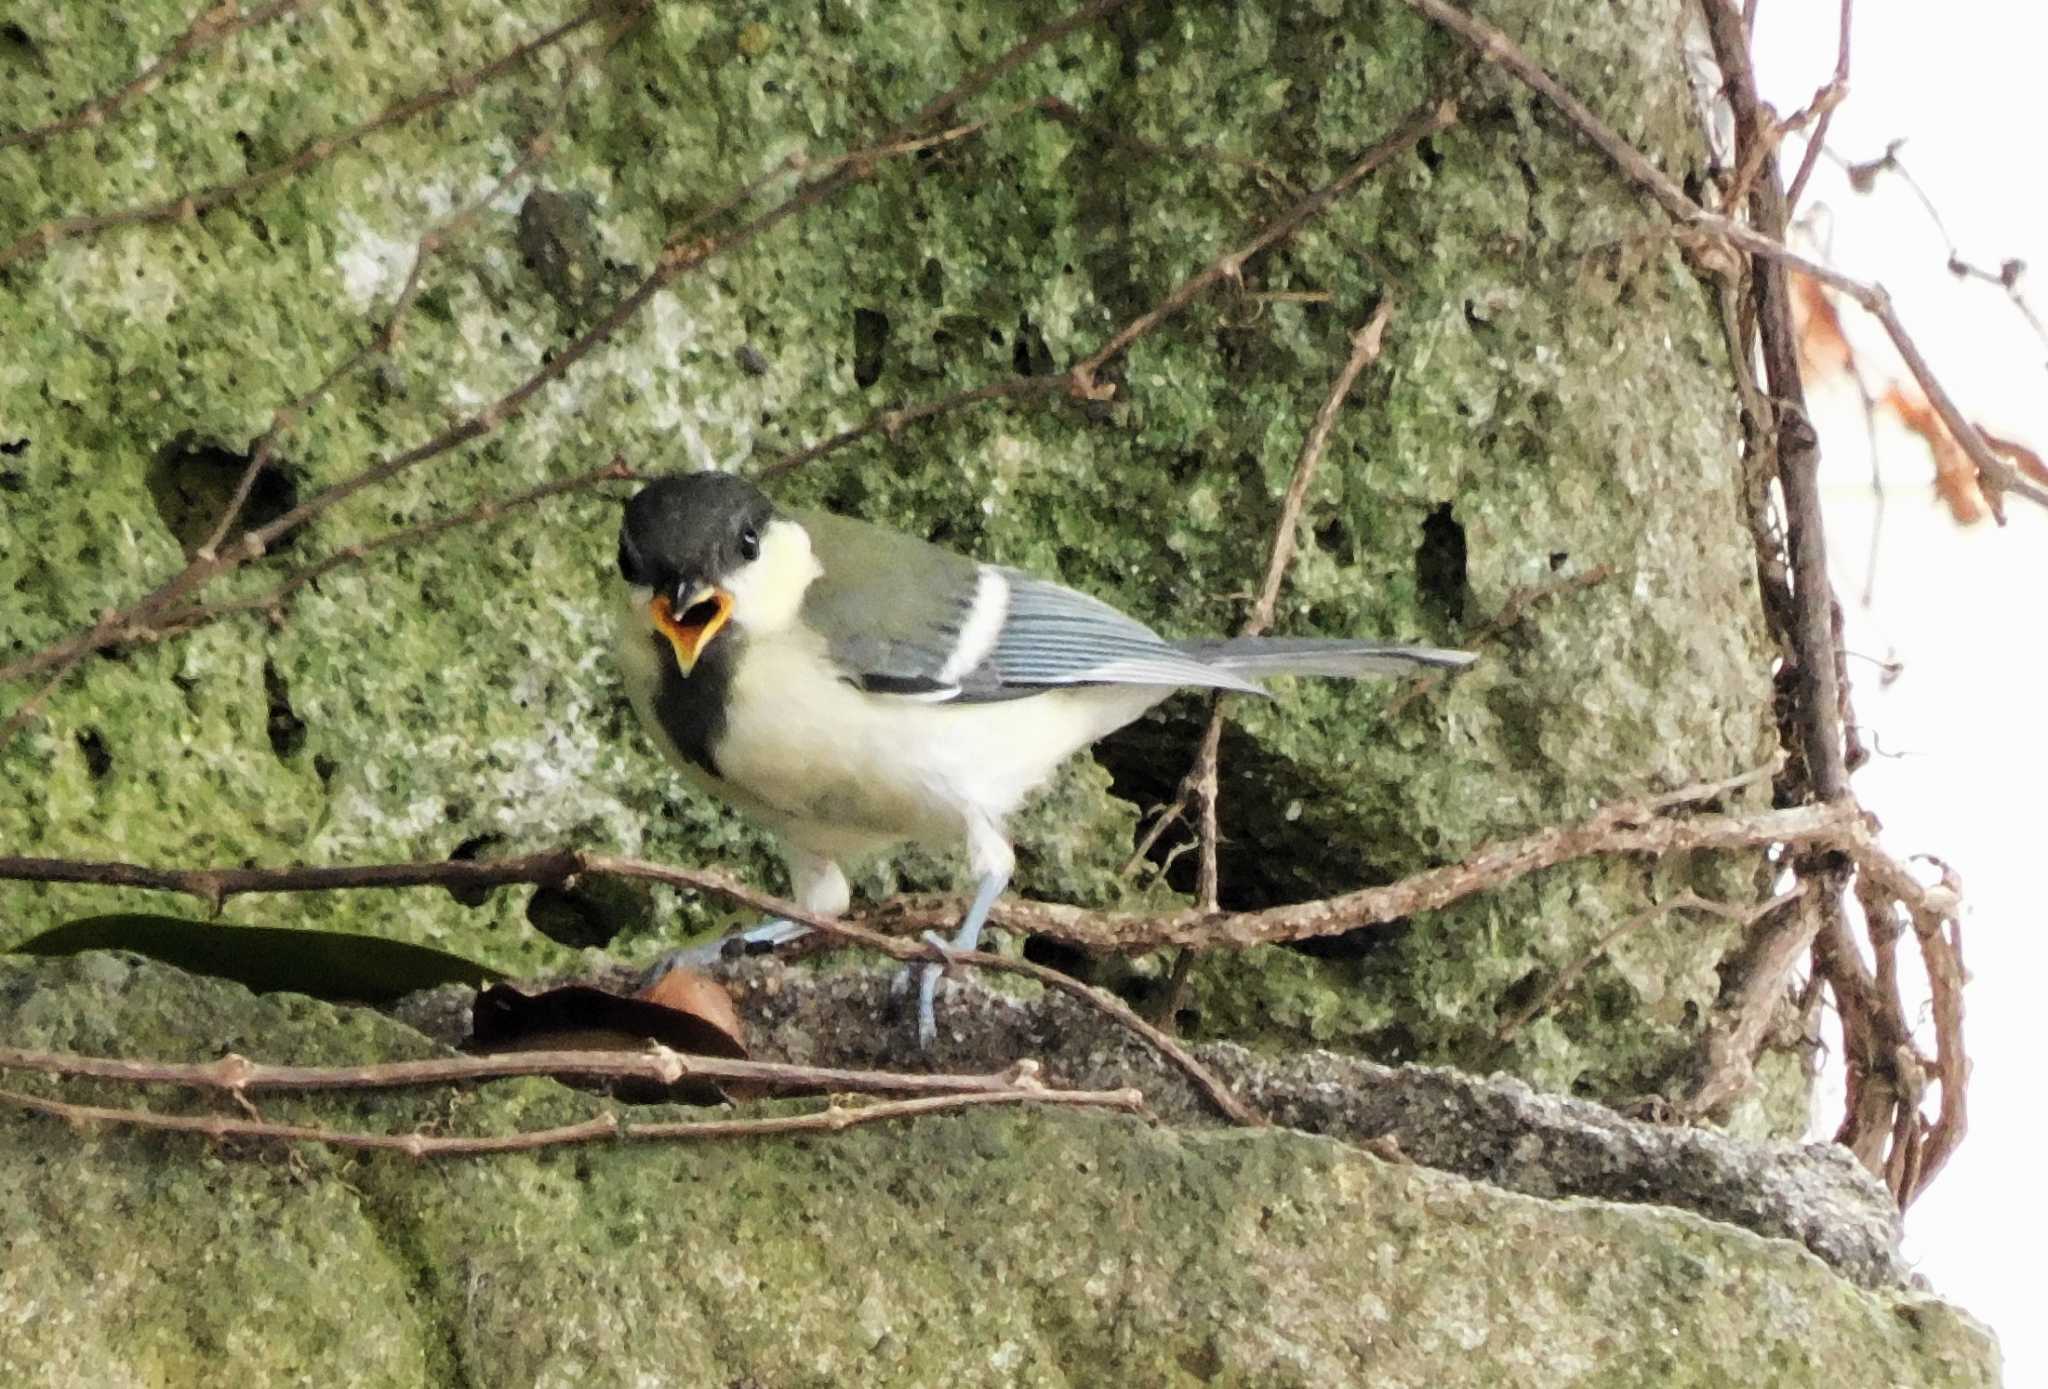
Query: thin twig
pixel 1825 101
pixel 1623 827
pixel 188 206
pixel 273 601
pixel 657 1063
pixel 831 1119
pixel 1495 47
pixel 1863 177
pixel 1204 782
pixel 1425 121
pixel 212 26
pixel 1569 976
pixel 1079 380
pixel 682 252
pixel 1626 827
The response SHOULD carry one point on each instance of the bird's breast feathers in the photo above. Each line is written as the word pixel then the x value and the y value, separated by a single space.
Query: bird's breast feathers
pixel 827 755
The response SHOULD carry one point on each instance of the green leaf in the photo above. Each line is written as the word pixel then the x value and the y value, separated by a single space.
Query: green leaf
pixel 268 959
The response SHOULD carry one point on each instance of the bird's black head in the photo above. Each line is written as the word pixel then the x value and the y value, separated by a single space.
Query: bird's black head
pixel 684 538
pixel 691 530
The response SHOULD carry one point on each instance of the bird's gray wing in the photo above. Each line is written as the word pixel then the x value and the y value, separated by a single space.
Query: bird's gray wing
pixel 1053 635
pixel 892 608
pixel 903 617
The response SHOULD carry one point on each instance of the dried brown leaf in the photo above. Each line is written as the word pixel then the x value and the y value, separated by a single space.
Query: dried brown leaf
pixel 1824 349
pixel 1955 476
pixel 694 1016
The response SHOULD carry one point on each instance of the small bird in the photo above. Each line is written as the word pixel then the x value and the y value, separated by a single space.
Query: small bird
pixel 849 687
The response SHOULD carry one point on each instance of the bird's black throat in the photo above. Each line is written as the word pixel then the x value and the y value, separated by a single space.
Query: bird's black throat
pixel 691 707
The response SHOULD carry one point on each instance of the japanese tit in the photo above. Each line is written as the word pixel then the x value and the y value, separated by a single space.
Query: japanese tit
pixel 850 688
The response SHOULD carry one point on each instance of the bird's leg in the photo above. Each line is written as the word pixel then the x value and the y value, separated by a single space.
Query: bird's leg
pixel 990 856
pixel 815 882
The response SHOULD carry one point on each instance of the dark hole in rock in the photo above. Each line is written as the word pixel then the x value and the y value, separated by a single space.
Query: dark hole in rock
pixel 1349 945
pixel 287 730
pixel 1517 997
pixel 192 483
pixel 467 852
pixel 572 917
pixel 870 340
pixel 1440 565
pixel 1054 954
pixel 1267 858
pixel 98 761
pixel 1029 356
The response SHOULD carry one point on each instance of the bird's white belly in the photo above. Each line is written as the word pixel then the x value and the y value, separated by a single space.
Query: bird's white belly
pixel 842 771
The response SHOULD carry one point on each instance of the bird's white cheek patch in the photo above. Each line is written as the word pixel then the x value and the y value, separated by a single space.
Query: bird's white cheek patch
pixel 767 593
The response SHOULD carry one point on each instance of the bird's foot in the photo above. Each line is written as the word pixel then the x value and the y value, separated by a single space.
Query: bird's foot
pixel 965 938
pixel 754 940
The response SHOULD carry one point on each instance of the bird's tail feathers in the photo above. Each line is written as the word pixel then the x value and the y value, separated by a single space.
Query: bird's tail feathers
pixel 1333 656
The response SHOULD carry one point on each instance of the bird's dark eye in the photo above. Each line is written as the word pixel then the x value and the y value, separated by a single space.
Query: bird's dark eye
pixel 750 544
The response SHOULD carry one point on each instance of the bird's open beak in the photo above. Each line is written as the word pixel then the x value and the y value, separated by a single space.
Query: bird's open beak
pixel 691 630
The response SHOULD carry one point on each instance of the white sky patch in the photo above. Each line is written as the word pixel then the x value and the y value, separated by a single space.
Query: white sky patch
pixel 1959 769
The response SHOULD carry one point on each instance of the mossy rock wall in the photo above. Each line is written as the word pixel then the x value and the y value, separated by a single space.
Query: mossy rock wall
pixel 1553 399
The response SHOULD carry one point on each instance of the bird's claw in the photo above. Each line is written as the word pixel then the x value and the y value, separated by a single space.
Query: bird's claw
pixel 754 940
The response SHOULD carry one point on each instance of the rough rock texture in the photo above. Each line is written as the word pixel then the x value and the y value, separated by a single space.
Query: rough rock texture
pixel 1552 399
pixel 1491 1129
pixel 1000 1249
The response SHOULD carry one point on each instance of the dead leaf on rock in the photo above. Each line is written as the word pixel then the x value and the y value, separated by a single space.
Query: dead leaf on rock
pixel 683 1011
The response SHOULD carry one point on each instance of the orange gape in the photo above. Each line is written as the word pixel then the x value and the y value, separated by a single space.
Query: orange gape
pixel 687 636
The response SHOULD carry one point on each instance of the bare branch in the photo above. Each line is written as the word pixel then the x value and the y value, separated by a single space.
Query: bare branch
pixel 273 601
pixel 1824 101
pixel 832 1119
pixel 658 1063
pixel 1624 827
pixel 1203 782
pixel 1495 47
pixel 212 26
pixel 1079 380
pixel 681 253
pixel 1424 122
pixel 187 206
